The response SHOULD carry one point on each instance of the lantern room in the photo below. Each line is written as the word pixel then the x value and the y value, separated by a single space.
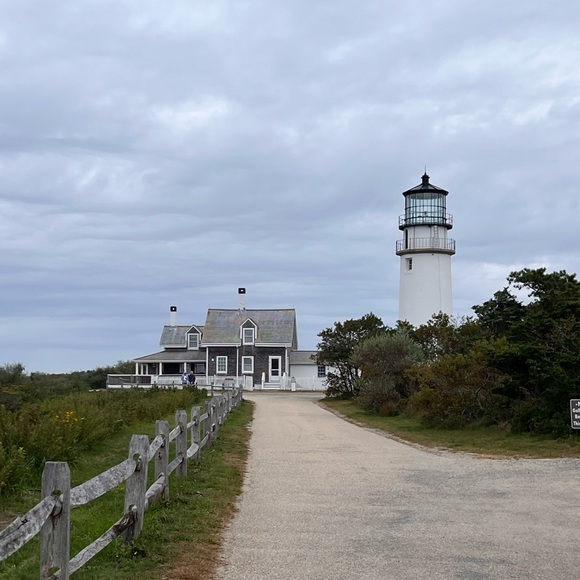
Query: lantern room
pixel 426 204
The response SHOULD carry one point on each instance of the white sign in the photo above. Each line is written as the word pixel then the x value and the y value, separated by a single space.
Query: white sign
pixel 575 413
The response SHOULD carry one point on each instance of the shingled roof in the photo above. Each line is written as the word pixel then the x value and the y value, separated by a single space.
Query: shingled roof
pixel 174 355
pixel 273 326
pixel 303 357
pixel 173 336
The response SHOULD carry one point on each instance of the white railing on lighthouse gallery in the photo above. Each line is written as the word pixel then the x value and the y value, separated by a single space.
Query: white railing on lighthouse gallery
pixel 440 244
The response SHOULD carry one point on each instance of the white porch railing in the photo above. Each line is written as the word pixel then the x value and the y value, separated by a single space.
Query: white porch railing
pixel 286 383
pixel 118 381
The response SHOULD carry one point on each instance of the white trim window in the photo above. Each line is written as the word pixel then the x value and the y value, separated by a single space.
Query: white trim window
pixel 221 365
pixel 193 341
pixel 409 264
pixel 248 335
pixel 248 365
pixel 321 372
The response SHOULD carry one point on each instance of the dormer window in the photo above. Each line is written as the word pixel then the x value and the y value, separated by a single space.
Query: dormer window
pixel 248 335
pixel 193 341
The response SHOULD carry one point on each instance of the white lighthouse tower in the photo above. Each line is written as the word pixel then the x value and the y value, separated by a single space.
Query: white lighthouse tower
pixel 425 250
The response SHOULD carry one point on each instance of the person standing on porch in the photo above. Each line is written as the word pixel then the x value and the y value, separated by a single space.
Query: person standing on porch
pixel 184 379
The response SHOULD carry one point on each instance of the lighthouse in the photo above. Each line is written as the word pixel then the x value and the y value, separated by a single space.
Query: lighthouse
pixel 425 251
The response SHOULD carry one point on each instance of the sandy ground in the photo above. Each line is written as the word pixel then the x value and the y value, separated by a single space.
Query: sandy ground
pixel 326 499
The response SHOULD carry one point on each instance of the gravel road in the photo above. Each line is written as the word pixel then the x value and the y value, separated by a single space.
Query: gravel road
pixel 326 499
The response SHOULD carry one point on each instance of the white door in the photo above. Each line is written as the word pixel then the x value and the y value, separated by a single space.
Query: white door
pixel 275 369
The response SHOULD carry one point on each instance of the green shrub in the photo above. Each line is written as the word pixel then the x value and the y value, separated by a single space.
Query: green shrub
pixel 535 417
pixel 15 468
pixel 453 391
pixel 383 361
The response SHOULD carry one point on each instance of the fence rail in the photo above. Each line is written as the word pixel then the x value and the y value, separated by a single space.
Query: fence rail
pixel 51 516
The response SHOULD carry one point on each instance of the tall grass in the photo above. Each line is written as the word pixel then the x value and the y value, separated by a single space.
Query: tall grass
pixel 63 428
pixel 180 539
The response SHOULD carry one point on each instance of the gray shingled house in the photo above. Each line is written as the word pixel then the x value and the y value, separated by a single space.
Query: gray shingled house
pixel 254 348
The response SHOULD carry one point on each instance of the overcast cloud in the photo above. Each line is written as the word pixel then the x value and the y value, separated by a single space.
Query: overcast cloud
pixel 157 153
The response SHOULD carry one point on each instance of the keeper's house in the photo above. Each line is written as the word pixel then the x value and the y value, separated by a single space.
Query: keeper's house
pixel 257 349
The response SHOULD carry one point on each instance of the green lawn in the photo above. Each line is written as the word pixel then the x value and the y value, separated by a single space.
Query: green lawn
pixel 481 440
pixel 185 532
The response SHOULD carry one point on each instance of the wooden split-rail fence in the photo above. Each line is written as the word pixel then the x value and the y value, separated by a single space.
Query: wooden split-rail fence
pixel 51 517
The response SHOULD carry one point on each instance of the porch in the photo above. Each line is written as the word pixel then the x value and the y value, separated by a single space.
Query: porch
pixel 246 382
pixel 173 381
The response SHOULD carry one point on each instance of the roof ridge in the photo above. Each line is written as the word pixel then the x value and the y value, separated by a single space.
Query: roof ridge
pixel 246 309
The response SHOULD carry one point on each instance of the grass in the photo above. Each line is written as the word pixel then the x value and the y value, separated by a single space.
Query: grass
pixel 489 441
pixel 180 539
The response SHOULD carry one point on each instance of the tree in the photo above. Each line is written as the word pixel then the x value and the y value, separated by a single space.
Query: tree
pixel 443 334
pixel 336 347
pixel 541 358
pixel 383 360
pixel 12 374
pixel 97 378
pixel 498 315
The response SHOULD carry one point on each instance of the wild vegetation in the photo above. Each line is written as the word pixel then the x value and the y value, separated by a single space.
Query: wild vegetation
pixel 181 537
pixel 513 365
pixel 59 418
pixel 72 417
pixel 18 388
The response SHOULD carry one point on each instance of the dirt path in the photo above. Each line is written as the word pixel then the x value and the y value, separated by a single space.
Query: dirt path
pixel 326 499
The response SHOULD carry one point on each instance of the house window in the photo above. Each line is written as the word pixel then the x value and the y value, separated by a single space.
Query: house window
pixel 248 365
pixel 198 368
pixel 321 372
pixel 171 368
pixel 221 365
pixel 193 341
pixel 409 264
pixel 248 335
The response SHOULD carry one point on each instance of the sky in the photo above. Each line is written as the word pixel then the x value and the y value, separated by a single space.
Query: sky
pixel 166 153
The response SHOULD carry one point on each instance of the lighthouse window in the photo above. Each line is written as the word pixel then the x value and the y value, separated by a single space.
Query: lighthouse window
pixel 425 207
pixel 409 264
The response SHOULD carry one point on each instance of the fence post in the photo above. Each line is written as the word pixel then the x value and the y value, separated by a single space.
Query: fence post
pixel 217 416
pixel 181 442
pixel 196 430
pixel 212 420
pixel 136 486
pixel 162 458
pixel 207 422
pixel 55 533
